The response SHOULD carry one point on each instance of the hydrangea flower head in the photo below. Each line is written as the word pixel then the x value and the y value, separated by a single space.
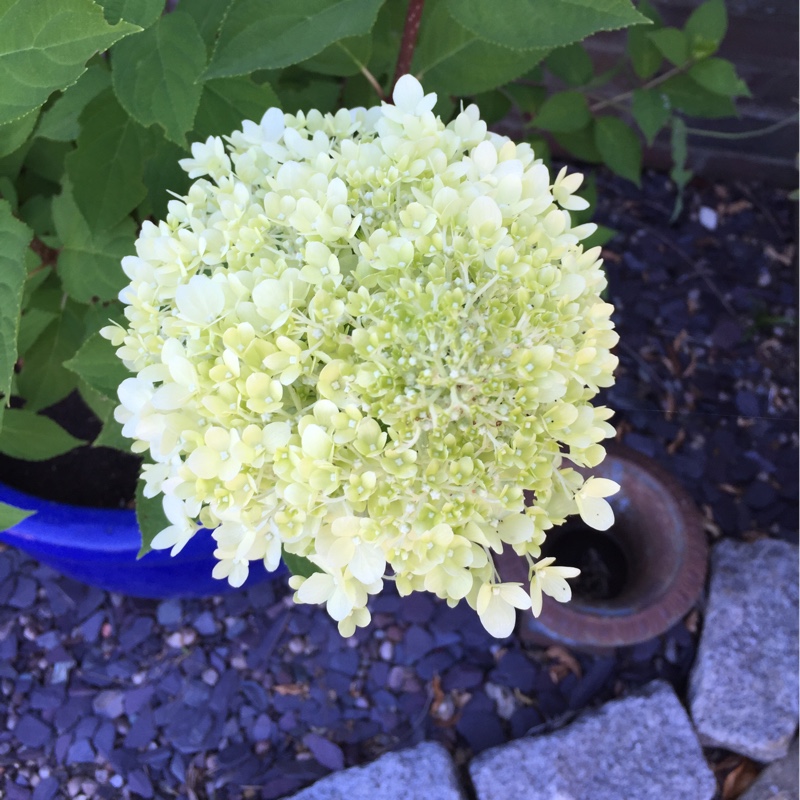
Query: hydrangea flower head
pixel 358 338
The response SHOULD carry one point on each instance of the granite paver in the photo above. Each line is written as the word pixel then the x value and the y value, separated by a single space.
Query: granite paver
pixel 642 747
pixel 744 684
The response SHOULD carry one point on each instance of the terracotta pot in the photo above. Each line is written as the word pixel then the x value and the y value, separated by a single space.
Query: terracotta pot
pixel 639 578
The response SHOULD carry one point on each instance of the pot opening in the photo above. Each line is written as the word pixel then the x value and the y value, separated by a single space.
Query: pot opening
pixel 598 555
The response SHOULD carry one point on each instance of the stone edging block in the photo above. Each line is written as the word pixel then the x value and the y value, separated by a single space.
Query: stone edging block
pixel 743 690
pixel 424 772
pixel 642 746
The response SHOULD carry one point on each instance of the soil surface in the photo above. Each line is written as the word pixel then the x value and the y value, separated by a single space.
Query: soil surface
pixel 247 696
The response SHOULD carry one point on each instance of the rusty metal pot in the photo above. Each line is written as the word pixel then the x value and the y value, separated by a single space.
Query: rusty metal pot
pixel 639 578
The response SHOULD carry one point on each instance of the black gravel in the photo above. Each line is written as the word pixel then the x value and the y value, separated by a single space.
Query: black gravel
pixel 247 696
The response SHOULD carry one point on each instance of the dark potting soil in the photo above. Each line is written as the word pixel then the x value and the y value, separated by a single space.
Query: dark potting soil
pixel 86 476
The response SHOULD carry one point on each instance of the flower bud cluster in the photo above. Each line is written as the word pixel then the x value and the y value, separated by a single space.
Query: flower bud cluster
pixel 358 338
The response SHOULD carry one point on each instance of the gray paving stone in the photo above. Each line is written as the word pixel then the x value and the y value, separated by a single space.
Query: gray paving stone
pixel 743 687
pixel 642 747
pixel 778 781
pixel 424 772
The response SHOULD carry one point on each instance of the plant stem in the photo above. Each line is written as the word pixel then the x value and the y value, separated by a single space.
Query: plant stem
pixel 409 40
pixel 373 81
pixel 649 85
pixel 776 126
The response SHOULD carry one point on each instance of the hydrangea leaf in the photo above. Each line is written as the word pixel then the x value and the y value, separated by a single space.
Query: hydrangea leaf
pixel 620 147
pixel 88 264
pixel 547 25
pixel 342 58
pixel 207 16
pixel 13 134
pixel 105 168
pixel 34 437
pixel 43 379
pixel 103 407
pixel 14 239
pixel 140 12
pixel 255 35
pixel 44 46
pixel 60 120
pixel 162 174
pixel 98 366
pixel 454 60
pixel 572 64
pixel 11 516
pixel 45 158
pixel 155 75
pixel 651 110
pixel 298 565
pixel 150 516
pixel 32 325
pixel 563 112
pixel 225 102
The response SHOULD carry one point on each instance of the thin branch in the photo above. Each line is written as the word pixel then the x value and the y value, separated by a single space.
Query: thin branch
pixel 409 40
pixel 373 81
pixel 670 73
pixel 776 126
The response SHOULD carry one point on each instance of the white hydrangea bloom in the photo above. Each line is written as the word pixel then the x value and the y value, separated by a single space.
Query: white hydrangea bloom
pixel 358 338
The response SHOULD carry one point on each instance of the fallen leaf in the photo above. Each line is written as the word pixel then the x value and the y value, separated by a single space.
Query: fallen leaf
pixel 565 663
pixel 739 780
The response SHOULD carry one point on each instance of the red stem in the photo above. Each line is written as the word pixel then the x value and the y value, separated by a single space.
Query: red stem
pixel 409 41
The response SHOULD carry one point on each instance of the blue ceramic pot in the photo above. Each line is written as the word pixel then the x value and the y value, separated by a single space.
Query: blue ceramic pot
pixel 98 546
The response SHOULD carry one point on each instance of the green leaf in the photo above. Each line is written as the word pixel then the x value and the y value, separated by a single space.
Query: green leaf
pixel 528 99
pixel 572 64
pixel 494 106
pixel 581 143
pixel 44 46
pixel 706 28
pixel 257 35
pixel 32 325
pixel 97 365
pixel 46 159
pixel 161 174
pixel 89 262
pixel 687 95
pixel 34 437
pixel 651 110
pixel 298 565
pixel 105 169
pixel 60 120
pixel 150 516
pixel 14 240
pixel 563 112
pixel 321 93
pixel 526 24
pixel 342 58
pixel 601 236
pixel 673 44
pixel 454 61
pixel 155 75
pixel 13 134
pixel 645 57
pixel 140 12
pixel 620 147
pixel 36 213
pixel 103 408
pixel 43 379
pixel 719 76
pixel 207 16
pixel 11 516
pixel 225 102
